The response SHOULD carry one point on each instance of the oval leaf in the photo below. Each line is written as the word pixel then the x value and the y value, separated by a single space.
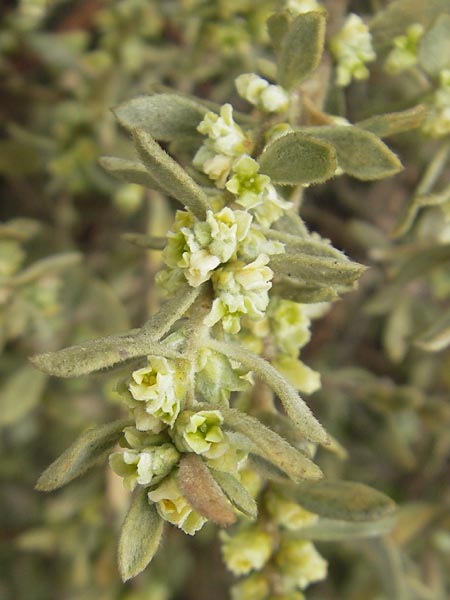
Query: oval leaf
pixel 297 291
pixel 202 491
pixel 359 153
pixel 434 48
pixel 140 536
pixel 169 175
pixel 236 493
pixel 393 123
pixel 301 48
pixel 164 116
pixel 295 158
pixel 81 455
pixel 343 500
pixel 329 530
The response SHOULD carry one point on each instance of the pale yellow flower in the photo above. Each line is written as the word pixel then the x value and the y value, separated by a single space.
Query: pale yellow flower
pixel 246 550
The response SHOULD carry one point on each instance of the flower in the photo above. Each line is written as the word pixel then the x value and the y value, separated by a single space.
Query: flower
pixel 352 48
pixel 173 507
pixel 300 563
pixel 289 325
pixel 404 53
pixel 286 513
pixel 240 289
pixel 302 377
pixel 246 184
pixel 258 91
pixel 198 247
pixel 437 123
pixel 201 433
pixel 246 550
pixel 157 392
pixel 255 587
pixel 216 377
pixel 144 467
pixel 297 7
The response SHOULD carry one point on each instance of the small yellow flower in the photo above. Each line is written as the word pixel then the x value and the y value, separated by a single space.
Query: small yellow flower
pixel 173 507
pixel 286 513
pixel 255 587
pixel 201 433
pixel 300 563
pixel 246 550
pixel 404 54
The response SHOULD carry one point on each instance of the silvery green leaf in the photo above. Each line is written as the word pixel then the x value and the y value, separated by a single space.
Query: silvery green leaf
pixel 329 530
pixel 313 244
pixel 169 175
pixel 301 47
pixel 271 446
pixel 342 500
pixel 47 266
pixel 203 492
pixel 296 408
pixel 297 291
pixel 434 47
pixel 277 27
pixel 360 153
pixel 236 493
pixel 323 271
pixel 20 393
pixel 81 455
pixel 295 158
pixel 436 337
pixel 393 123
pixel 140 536
pixel 164 116
pixel 145 241
pixel 395 19
pixel 130 171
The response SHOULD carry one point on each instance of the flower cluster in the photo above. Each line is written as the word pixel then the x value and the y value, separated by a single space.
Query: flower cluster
pixel 404 53
pixel 352 49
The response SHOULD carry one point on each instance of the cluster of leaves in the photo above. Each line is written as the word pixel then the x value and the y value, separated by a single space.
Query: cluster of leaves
pixel 384 386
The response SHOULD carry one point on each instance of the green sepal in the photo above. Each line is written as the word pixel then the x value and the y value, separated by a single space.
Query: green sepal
pixel 342 500
pixel 360 153
pixel 140 536
pixel 129 171
pixel 164 116
pixel 203 492
pixel 169 175
pixel 393 123
pixel 301 48
pixel 236 493
pixel 295 158
pixel 21 392
pixel 81 455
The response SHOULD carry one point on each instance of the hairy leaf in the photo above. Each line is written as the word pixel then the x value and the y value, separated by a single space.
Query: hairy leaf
pixel 434 48
pixel 20 393
pixel 202 491
pixel 317 270
pixel 301 48
pixel 277 27
pixel 145 241
pixel 140 536
pixel 164 116
pixel 297 291
pixel 335 530
pixel 81 455
pixel 170 175
pixel 393 123
pixel 360 153
pixel 343 500
pixel 295 158
pixel 236 493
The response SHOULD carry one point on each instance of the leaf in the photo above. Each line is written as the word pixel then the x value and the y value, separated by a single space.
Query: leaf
pixel 277 27
pixel 296 158
pixel 342 500
pixel 359 153
pixel 436 337
pixel 317 270
pixel 273 447
pixel 140 536
pixel 164 116
pixel 170 175
pixel 145 241
pixel 236 493
pixel 393 123
pixel 20 393
pixel 105 352
pixel 315 246
pixel 296 408
pixel 328 530
pixel 434 47
pixel 202 491
pixel 297 291
pixel 129 171
pixel 81 455
pixel 301 48
pixel 47 266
